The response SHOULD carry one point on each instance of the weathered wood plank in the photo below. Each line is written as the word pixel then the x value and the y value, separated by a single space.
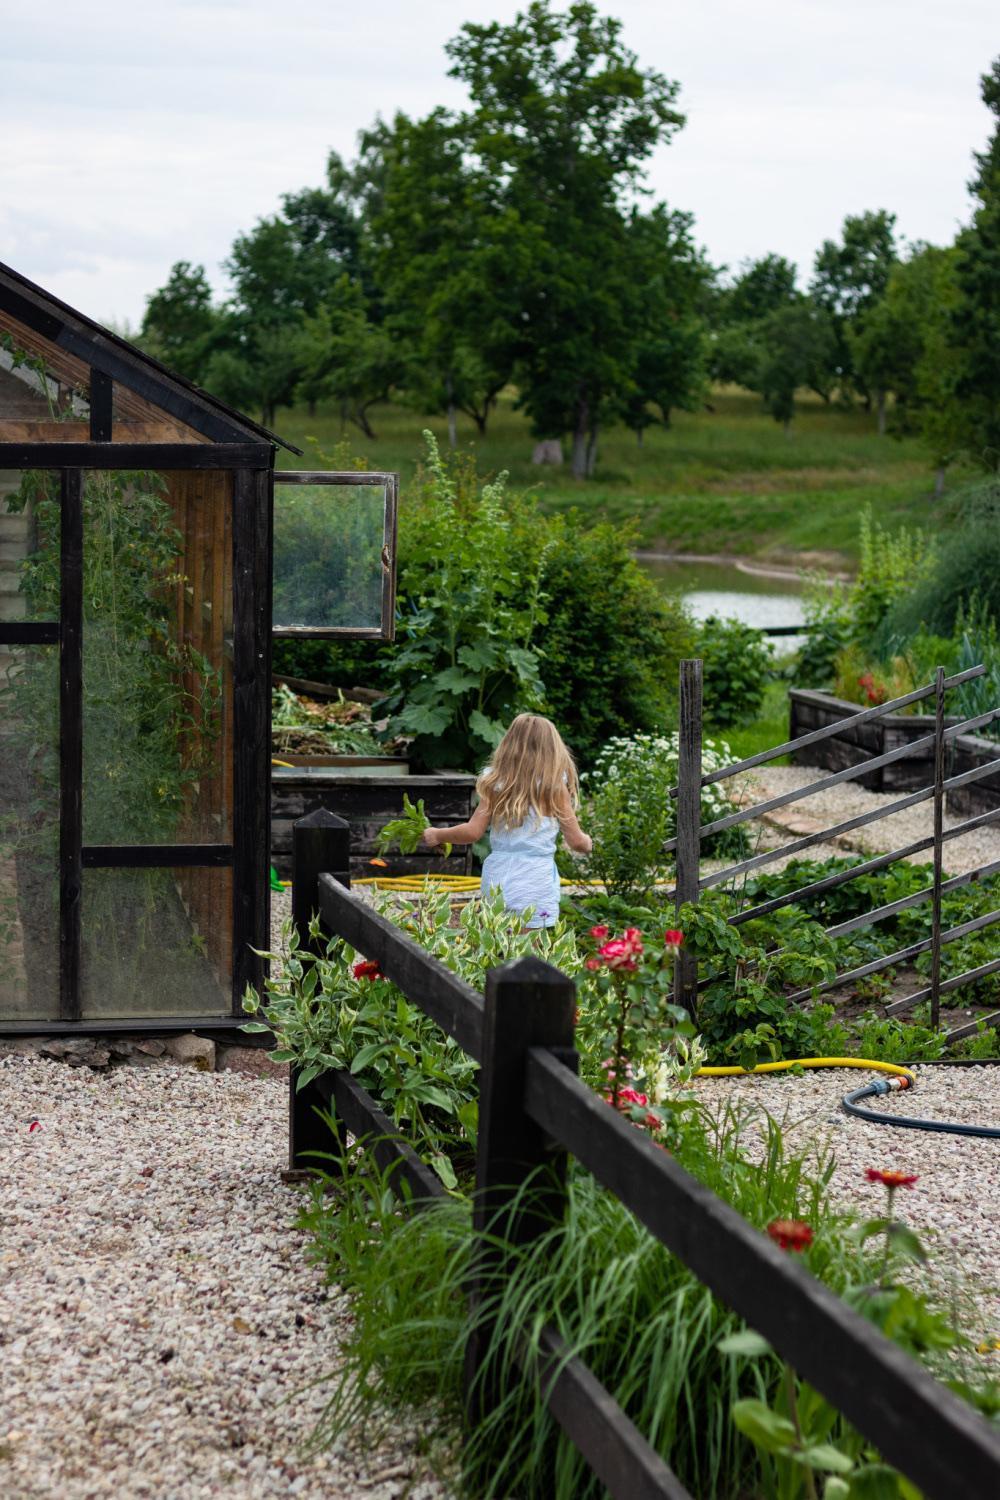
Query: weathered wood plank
pixel 919 1426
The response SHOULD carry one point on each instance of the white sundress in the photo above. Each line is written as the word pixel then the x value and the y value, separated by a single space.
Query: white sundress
pixel 522 865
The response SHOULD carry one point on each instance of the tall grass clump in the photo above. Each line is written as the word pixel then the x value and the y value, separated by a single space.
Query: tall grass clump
pixel 640 1320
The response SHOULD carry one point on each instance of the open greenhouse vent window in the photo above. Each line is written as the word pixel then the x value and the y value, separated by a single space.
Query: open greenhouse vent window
pixel 334 570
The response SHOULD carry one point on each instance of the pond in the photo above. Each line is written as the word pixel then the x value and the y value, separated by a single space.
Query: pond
pixel 730 591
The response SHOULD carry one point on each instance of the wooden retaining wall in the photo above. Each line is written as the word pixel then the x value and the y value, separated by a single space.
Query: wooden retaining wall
pixel 368 803
pixel 981 796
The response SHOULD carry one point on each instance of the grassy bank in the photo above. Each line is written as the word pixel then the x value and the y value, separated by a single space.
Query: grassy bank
pixel 724 480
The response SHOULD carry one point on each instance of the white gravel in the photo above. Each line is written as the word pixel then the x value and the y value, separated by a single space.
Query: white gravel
pixel 160 1326
pixel 955 1205
pixel 847 800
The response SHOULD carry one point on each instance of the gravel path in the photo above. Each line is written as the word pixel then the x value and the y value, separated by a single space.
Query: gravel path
pixel 159 1323
pixel 848 800
pixel 955 1206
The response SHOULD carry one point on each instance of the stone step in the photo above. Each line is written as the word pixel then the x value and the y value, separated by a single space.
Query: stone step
pixel 10 578
pixel 13 552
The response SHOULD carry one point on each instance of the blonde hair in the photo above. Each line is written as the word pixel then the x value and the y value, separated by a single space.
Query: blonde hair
pixel 531 771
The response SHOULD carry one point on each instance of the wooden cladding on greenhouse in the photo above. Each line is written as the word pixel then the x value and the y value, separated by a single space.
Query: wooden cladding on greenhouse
pixel 135 597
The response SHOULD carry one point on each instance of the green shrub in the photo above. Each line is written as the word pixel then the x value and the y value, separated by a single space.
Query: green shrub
pixel 737 668
pixel 610 643
pixel 629 812
pixel 965 565
pixel 485 566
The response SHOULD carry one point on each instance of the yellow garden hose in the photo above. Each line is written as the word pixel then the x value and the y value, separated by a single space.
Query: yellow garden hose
pixel 810 1062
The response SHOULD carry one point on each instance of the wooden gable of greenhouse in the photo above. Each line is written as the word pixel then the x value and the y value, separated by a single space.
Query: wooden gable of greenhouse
pixel 135 628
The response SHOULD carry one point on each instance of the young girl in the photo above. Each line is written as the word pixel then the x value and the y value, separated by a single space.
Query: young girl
pixel 526 796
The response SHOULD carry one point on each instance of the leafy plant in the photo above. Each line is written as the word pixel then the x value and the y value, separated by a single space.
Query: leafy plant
pixel 406 831
pixel 737 668
pixel 466 664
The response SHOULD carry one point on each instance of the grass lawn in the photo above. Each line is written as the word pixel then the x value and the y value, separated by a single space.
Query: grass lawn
pixel 725 481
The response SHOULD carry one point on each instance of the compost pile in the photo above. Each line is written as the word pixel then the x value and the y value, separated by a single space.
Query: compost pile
pixel 301 725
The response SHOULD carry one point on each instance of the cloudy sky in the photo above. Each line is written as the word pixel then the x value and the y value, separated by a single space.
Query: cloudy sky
pixel 132 136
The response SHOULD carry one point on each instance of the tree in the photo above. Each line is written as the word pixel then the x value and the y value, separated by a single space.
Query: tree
pixel 888 348
pixel 850 278
pixel 180 320
pixel 563 122
pixel 975 318
pixel 343 353
pixel 669 353
pixel 447 258
pixel 761 288
pixel 797 349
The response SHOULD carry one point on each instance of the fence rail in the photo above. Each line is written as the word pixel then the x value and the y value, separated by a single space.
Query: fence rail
pixel 689 881
pixel 533 1112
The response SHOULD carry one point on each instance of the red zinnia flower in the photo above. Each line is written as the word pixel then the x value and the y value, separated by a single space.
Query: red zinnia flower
pixel 367 968
pixel 790 1234
pixel 673 938
pixel 891 1179
pixel 600 933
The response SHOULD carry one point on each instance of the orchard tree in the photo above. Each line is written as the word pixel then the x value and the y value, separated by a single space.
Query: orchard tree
pixel 761 287
pixel 975 319
pixel 563 122
pixel 889 348
pixel 180 321
pixel 449 261
pixel 850 278
pixel 797 348
pixel 344 354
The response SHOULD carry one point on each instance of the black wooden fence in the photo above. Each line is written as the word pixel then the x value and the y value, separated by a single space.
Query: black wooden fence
pixel 533 1112
pixel 691 831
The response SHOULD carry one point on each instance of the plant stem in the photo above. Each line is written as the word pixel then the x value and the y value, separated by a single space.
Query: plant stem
pixel 793 1412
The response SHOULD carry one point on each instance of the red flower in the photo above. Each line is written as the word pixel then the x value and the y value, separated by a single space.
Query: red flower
pixel 633 937
pixel 891 1179
pixel 600 933
pixel 790 1234
pixel 35 1125
pixel 653 1122
pixel 618 954
pixel 367 968
pixel 673 938
pixel 632 1096
pixel 593 963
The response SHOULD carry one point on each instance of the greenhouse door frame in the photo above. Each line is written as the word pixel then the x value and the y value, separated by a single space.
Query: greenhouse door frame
pixel 248 855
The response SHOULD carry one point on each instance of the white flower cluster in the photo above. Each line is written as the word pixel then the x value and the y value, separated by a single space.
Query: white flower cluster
pixel 655 756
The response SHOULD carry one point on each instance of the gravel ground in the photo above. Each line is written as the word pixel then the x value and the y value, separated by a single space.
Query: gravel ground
pixel 848 800
pixel 159 1324
pixel 955 1206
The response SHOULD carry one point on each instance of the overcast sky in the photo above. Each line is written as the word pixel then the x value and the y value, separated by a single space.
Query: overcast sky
pixel 135 135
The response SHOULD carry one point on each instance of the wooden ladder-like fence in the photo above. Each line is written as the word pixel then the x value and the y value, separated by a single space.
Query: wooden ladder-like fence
pixel 534 1112
pixel 691 832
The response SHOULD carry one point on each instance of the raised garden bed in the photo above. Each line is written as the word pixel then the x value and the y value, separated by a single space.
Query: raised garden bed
pixel 368 801
pixel 809 710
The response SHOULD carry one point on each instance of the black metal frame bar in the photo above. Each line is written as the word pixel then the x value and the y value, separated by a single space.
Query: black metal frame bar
pixel 102 389
pixel 70 741
pixel 390 483
pixel 151 456
pixel 156 856
pixel 29 633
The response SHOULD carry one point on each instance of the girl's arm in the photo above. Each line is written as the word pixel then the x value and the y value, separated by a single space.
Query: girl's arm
pixel 576 839
pixel 461 833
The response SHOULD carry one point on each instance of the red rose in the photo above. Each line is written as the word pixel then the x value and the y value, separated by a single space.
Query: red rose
pixel 600 933
pixel 673 938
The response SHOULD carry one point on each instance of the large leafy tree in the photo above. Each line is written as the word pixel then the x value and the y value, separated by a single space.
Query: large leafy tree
pixel 761 287
pixel 975 318
pixel 181 322
pixel 849 280
pixel 563 120
pixel 449 260
pixel 796 348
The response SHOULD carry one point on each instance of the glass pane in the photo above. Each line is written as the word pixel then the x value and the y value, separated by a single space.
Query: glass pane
pixel 157 661
pixel 29 545
pixel 29 833
pixel 157 943
pixel 328 541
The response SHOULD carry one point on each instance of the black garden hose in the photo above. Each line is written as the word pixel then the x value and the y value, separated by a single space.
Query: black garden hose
pixel 908 1122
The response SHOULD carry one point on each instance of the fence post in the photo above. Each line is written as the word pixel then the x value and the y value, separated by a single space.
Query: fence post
pixel 529 1003
pixel 688 850
pixel 939 774
pixel 321 843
